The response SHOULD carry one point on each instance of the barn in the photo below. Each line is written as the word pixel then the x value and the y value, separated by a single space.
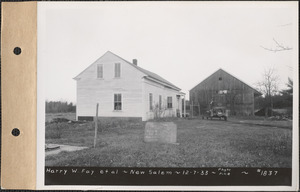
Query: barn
pixel 237 96
pixel 124 90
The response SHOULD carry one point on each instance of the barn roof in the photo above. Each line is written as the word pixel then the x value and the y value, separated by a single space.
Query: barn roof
pixel 257 93
pixel 146 72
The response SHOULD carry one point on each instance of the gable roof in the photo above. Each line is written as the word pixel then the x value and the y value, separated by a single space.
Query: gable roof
pixel 146 72
pixel 221 70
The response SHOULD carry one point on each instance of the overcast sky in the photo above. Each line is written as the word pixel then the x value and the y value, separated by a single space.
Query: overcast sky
pixel 184 42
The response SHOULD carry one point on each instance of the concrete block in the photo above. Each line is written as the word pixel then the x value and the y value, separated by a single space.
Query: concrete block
pixel 163 132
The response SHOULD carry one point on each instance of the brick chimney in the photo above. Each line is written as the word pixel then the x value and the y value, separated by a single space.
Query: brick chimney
pixel 134 61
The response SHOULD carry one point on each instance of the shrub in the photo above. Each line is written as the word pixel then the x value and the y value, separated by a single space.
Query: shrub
pixel 55 130
pixel 112 123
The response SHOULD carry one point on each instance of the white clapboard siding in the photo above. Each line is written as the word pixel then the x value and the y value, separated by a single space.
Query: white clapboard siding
pixel 132 84
pixel 91 90
pixel 156 90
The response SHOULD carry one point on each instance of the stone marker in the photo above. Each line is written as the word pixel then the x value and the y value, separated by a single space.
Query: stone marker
pixel 164 132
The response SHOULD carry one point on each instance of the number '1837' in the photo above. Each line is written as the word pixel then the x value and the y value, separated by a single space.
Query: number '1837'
pixel 268 173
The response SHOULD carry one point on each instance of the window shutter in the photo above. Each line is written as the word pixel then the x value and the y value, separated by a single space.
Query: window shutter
pixel 117 69
pixel 99 71
pixel 160 102
pixel 169 100
pixel 151 101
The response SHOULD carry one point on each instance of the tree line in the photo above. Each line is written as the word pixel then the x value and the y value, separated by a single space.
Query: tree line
pixel 272 97
pixel 59 107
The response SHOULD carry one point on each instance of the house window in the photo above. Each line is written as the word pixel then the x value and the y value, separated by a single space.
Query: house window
pixel 99 71
pixel 220 78
pixel 169 99
pixel 159 102
pixel 117 70
pixel 118 102
pixel 151 101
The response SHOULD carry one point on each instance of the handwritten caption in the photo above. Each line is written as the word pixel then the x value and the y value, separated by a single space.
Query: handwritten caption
pixel 161 172
pixel 215 176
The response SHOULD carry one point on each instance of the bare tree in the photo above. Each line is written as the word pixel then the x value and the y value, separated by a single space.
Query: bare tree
pixel 269 87
pixel 279 47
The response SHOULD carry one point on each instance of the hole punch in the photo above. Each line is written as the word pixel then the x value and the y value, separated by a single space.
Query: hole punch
pixel 17 50
pixel 15 132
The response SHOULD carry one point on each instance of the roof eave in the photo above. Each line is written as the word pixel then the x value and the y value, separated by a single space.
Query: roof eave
pixel 255 91
pixel 162 83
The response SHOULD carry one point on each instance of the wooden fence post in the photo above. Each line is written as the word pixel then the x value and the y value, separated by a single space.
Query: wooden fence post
pixel 198 109
pixel 192 109
pixel 184 107
pixel 96 125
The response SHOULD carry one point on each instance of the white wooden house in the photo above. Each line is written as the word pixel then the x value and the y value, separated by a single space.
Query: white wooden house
pixel 125 90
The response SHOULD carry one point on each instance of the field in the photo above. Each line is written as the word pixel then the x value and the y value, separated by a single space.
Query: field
pixel 202 143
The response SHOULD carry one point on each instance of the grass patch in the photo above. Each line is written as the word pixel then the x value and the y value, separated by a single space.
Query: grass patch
pixel 202 143
pixel 55 130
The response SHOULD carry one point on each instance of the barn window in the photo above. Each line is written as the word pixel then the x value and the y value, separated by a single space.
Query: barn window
pixel 159 102
pixel 220 78
pixel 100 71
pixel 151 101
pixel 169 99
pixel 223 92
pixel 117 70
pixel 118 102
